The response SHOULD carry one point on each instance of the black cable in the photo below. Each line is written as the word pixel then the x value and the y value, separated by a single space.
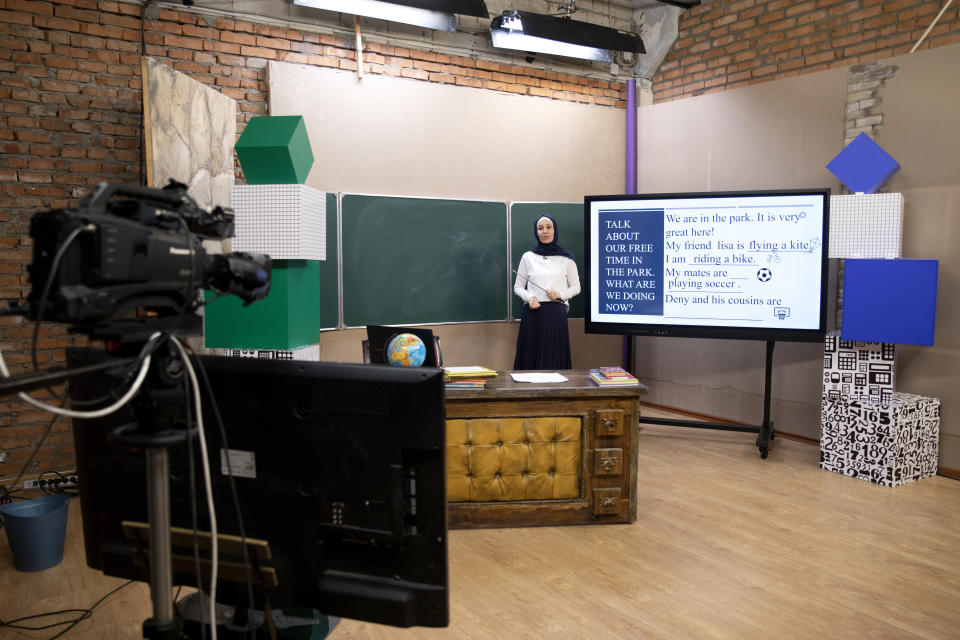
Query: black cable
pixel 213 299
pixel 176 596
pixel 197 365
pixel 46 291
pixel 90 610
pixel 84 614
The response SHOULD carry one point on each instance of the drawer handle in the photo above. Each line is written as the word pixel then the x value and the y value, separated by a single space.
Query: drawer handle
pixel 608 424
pixel 608 504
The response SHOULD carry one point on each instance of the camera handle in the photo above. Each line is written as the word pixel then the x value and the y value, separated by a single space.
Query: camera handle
pixel 97 203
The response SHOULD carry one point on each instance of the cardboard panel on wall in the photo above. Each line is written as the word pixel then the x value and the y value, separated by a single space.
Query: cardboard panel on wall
pixel 190 133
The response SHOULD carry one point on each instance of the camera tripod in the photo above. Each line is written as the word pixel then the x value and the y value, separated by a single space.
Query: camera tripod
pixel 152 431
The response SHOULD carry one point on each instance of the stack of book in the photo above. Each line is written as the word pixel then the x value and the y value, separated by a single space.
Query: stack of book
pixel 467 377
pixel 613 376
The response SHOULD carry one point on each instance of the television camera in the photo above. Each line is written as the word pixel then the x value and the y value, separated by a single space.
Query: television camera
pixel 114 256
pixel 128 267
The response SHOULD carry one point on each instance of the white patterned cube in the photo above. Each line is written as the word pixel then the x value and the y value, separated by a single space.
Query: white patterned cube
pixel 309 353
pixel 866 225
pixel 888 444
pixel 858 370
pixel 285 221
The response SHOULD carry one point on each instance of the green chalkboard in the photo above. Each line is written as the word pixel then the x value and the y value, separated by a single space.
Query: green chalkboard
pixel 329 311
pixel 569 217
pixel 422 261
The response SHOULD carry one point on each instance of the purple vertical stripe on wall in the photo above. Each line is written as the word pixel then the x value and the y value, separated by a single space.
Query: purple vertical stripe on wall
pixel 631 136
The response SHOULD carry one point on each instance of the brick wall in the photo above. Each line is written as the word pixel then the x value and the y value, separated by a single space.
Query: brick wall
pixel 723 44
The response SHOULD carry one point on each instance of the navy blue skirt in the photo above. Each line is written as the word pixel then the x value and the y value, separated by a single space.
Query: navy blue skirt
pixel 543 341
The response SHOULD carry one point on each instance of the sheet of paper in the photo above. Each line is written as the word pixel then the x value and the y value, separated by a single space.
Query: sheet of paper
pixel 538 377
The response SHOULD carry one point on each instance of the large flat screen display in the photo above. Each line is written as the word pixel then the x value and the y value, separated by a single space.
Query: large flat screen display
pixel 746 265
pixel 339 467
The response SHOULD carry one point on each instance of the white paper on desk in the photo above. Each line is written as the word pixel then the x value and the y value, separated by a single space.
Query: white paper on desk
pixel 538 377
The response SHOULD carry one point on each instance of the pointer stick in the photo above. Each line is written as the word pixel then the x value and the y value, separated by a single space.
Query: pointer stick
pixel 531 282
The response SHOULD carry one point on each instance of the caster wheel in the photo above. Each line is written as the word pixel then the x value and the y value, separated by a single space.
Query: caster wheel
pixel 764 452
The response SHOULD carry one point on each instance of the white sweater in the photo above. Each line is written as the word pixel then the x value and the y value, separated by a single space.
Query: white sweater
pixel 538 273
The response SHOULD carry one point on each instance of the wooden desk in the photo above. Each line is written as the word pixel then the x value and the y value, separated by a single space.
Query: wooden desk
pixel 608 418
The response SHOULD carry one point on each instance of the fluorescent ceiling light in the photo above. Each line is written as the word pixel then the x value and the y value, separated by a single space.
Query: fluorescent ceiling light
pixel 442 20
pixel 539 33
pixel 516 40
pixel 476 8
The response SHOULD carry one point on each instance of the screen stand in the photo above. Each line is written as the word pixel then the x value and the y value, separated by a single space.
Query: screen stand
pixel 764 432
pixel 239 562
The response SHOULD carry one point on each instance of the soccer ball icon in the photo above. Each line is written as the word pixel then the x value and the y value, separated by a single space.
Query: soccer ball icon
pixel 764 274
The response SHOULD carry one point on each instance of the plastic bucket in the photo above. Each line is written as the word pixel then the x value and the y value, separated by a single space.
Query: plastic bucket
pixel 36 530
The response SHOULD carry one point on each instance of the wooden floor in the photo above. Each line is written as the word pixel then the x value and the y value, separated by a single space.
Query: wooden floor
pixel 726 546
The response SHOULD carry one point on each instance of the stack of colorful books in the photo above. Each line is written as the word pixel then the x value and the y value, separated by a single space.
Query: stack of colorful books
pixel 613 376
pixel 467 377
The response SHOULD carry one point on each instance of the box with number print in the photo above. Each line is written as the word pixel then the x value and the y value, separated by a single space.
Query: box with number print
pixel 886 443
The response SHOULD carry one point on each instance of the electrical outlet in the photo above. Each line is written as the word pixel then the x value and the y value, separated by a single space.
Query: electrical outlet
pixel 53 481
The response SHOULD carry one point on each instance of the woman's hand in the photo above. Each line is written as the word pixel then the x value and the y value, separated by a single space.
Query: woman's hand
pixel 534 303
pixel 552 293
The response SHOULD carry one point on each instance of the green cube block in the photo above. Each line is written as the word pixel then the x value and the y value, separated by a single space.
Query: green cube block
pixel 275 150
pixel 288 318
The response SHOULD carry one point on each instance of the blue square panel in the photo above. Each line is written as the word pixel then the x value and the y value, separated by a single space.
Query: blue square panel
pixel 891 301
pixel 863 166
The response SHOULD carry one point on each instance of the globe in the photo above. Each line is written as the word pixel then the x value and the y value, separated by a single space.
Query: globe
pixel 406 350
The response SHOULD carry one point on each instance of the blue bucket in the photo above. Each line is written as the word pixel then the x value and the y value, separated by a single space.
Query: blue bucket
pixel 36 530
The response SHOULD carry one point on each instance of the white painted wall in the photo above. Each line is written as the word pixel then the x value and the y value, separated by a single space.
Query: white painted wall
pixel 391 136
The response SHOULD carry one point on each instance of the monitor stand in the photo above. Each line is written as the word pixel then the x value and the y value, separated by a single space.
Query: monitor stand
pixel 764 430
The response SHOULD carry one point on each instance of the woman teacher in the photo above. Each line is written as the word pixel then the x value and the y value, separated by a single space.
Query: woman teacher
pixel 546 279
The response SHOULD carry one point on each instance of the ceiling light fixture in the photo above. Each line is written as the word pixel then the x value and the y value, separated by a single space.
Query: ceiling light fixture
pixel 432 14
pixel 561 36
pixel 683 4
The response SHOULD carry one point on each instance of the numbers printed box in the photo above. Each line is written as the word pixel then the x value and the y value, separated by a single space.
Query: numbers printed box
pixel 885 443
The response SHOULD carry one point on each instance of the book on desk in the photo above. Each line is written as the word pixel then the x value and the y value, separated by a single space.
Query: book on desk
pixel 467 377
pixel 613 376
